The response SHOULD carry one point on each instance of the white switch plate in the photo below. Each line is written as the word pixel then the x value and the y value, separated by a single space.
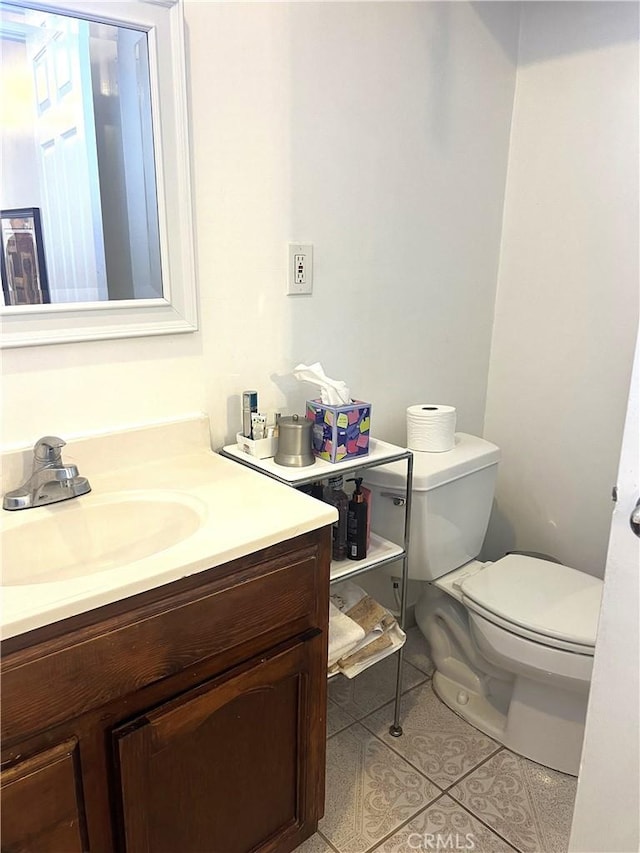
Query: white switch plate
pixel 300 269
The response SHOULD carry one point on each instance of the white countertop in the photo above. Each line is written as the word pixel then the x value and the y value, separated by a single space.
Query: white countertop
pixel 241 511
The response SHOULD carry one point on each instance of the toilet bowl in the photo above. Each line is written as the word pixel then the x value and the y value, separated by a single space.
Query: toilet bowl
pixel 513 640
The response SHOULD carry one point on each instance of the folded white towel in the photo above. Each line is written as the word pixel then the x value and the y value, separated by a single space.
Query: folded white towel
pixel 346 595
pixel 344 634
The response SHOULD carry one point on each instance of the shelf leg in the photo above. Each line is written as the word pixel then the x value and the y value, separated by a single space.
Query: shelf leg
pixel 395 730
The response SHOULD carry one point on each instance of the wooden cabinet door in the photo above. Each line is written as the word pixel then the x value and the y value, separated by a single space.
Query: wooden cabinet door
pixel 232 766
pixel 42 807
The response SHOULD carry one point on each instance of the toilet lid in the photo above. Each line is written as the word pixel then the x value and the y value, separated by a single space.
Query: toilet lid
pixel 545 598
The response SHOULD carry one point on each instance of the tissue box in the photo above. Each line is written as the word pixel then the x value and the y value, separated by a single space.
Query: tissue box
pixel 340 432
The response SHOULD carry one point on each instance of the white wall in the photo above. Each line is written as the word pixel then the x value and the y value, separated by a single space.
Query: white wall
pixel 78 389
pixel 379 133
pixel 567 302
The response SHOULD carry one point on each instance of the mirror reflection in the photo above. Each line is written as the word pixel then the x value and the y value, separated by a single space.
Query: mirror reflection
pixel 78 199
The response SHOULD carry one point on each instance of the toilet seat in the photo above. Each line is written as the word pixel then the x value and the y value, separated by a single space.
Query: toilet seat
pixel 548 603
pixel 527 634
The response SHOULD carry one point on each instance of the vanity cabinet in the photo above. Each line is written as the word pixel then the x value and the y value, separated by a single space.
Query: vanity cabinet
pixel 187 718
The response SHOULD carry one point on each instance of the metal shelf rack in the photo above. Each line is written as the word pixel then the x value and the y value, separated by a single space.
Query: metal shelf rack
pixel 381 550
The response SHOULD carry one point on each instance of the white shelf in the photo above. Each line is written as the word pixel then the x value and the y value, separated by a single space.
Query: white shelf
pixel 379 453
pixel 380 551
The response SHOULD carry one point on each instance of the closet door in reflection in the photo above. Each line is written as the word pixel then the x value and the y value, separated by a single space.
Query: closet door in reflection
pixel 58 52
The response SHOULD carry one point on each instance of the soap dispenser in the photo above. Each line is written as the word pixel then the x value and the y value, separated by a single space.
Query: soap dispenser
pixel 357 523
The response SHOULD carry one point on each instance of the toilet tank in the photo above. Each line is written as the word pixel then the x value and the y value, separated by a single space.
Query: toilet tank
pixel 451 503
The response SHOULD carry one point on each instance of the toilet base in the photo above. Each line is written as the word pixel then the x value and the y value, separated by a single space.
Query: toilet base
pixel 529 727
pixel 529 697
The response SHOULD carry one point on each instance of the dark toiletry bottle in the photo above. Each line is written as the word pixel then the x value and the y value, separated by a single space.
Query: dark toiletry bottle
pixel 336 497
pixel 317 491
pixel 357 524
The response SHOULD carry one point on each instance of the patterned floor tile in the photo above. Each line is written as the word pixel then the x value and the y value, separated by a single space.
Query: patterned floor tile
pixel 337 718
pixel 315 844
pixel 371 791
pixel 435 740
pixel 445 825
pixel 372 688
pixel 526 803
pixel 416 651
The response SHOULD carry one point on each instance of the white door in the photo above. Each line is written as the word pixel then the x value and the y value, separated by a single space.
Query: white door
pixel 607 811
pixel 65 130
pixel 139 165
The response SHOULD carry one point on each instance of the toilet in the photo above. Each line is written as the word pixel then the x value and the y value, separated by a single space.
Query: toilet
pixel 513 640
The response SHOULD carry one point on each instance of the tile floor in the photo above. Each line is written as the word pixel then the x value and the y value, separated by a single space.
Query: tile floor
pixel 443 785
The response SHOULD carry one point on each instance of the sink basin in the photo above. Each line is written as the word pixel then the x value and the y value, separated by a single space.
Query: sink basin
pixel 93 534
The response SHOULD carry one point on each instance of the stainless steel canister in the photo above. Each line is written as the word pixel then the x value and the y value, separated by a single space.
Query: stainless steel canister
pixel 294 442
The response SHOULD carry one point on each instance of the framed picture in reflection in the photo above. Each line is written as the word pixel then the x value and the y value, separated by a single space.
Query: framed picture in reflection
pixel 23 266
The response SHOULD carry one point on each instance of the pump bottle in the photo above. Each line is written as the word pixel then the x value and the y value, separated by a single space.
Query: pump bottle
pixel 357 524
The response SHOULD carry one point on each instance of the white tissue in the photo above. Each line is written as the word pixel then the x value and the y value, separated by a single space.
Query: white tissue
pixel 333 392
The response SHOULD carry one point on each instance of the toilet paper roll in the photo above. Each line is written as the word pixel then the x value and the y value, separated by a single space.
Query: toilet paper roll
pixel 431 427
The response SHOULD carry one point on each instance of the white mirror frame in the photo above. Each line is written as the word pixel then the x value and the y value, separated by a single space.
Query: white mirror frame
pixel 176 312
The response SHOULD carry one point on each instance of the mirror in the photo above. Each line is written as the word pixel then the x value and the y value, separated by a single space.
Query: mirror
pixel 95 209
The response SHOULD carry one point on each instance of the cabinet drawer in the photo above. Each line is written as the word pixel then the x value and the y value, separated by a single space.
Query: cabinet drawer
pixel 41 803
pixel 256 604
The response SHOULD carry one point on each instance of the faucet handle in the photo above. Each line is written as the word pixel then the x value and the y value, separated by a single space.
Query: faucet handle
pixel 48 448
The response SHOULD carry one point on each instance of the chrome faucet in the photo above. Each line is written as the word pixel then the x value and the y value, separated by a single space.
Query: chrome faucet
pixel 50 481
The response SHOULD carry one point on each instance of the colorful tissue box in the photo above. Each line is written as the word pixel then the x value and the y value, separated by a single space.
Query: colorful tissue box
pixel 340 432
